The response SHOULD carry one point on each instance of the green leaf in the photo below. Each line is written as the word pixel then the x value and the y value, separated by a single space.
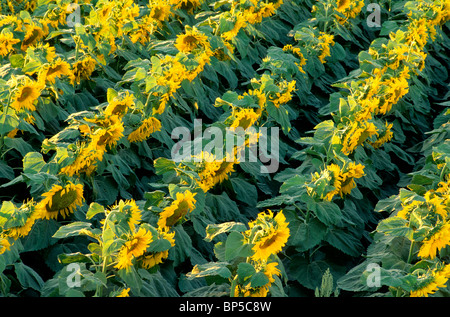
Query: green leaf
pixel 236 247
pixel 244 271
pixel 210 269
pixel 259 279
pixel 156 285
pixel 6 171
pixel 33 162
pixel 213 230
pixel 72 229
pixel 245 191
pixel 328 212
pixel 94 209
pixel 305 235
pixel 18 144
pixel 40 235
pixel 28 277
pixel 396 226
pixel 345 241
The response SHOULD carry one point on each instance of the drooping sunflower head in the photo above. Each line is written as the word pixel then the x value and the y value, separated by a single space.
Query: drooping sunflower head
pixel 33 34
pixel 119 105
pixel 159 10
pixel 191 40
pixel 21 222
pixel 243 118
pixel 109 134
pixel 55 70
pixel 26 95
pixel 143 132
pixel 132 212
pixel 348 176
pixel 60 201
pixel 178 209
pixel 134 247
pixel 268 234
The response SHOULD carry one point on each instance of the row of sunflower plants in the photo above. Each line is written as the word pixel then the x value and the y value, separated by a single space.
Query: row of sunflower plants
pixel 89 159
pixel 115 214
pixel 331 217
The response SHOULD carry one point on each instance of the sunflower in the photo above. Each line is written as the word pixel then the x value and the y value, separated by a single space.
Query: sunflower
pixel 131 210
pixel 119 106
pixel 143 132
pixel 7 40
pixel 55 70
pixel 110 132
pixel 271 235
pixel 26 216
pixel 243 118
pixel 5 245
pixel 124 293
pixel 178 209
pixel 89 153
pixel 430 283
pixel 286 95
pixel 385 137
pixel 60 201
pixel 348 178
pixel 133 248
pixel 357 134
pixel 26 95
pixel 83 69
pixel 191 40
pixel 188 5
pixel 159 11
pixel 325 41
pixel 33 35
pixel 437 241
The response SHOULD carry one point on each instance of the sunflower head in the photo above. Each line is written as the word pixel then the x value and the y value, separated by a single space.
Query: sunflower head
pixel 60 201
pixel 134 247
pixel 177 210
pixel 26 95
pixel 268 234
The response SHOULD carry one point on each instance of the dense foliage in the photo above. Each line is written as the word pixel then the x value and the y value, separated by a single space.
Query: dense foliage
pixel 348 195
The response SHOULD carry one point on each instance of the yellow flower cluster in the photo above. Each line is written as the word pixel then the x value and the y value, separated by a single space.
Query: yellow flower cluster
pixel 58 201
pixel 268 235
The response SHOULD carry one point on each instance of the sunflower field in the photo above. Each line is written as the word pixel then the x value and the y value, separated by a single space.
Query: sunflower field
pixel 334 182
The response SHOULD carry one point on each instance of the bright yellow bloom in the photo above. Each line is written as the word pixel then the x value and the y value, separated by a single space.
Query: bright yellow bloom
pixel 5 245
pixel 124 293
pixel 439 280
pixel 28 216
pixel 110 132
pixel 119 106
pixel 60 201
pixel 150 259
pixel 26 94
pixel 384 138
pixel 192 39
pixel 348 178
pixel 83 69
pixel 33 35
pixel 357 134
pixel 133 248
pixel 326 40
pixel 7 40
pixel 243 118
pixel 132 212
pixel 271 234
pixel 148 126
pixel 55 70
pixel 88 156
pixel 436 242
pixel 178 209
